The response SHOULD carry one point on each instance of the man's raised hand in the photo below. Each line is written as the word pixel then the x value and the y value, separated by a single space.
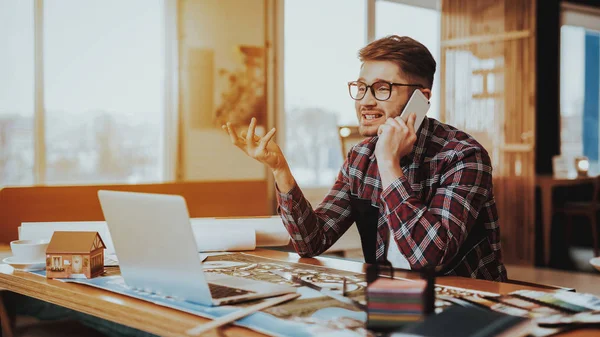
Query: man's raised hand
pixel 262 149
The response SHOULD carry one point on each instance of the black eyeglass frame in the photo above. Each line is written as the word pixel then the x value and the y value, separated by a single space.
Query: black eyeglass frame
pixel 391 84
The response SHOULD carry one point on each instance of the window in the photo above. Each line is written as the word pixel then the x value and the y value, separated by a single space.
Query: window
pixel 320 58
pixel 321 43
pixel 103 70
pixel 57 263
pixel 16 93
pixel 580 85
pixel 423 25
pixel 572 89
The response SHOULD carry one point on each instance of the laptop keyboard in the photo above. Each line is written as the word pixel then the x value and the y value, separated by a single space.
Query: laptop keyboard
pixel 219 291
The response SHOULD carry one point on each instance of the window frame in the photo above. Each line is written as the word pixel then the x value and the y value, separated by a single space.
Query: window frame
pixel 580 16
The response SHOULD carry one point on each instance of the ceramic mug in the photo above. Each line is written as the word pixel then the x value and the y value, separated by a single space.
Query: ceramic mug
pixel 29 250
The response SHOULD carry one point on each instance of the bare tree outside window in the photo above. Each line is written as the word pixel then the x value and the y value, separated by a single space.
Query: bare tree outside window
pixel 313 145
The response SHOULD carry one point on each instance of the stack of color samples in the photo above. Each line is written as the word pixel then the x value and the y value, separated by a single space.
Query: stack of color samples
pixel 391 304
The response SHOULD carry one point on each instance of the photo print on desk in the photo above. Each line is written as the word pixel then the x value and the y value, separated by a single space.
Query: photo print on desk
pixel 309 315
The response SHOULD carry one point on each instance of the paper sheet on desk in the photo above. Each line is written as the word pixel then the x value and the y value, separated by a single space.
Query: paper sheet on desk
pixel 225 239
pixel 44 230
pixel 207 240
pixel 111 260
pixel 211 233
pixel 270 231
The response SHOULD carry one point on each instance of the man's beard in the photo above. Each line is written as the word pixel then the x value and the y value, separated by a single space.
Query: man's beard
pixel 400 110
pixel 371 131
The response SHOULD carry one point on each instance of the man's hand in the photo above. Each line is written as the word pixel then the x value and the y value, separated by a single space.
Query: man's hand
pixel 261 149
pixel 265 151
pixel 396 139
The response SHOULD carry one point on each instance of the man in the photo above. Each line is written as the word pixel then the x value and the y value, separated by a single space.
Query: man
pixel 420 198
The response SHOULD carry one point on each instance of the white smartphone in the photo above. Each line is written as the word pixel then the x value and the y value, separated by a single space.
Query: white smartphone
pixel 419 104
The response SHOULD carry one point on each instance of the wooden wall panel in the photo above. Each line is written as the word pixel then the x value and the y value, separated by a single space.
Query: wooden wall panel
pixel 488 90
pixel 80 203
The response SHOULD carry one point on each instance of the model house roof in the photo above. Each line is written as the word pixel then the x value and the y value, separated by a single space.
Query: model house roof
pixel 74 242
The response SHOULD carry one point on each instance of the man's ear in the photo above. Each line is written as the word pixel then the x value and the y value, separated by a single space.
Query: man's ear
pixel 426 92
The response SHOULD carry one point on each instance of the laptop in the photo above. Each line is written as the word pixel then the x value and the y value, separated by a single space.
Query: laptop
pixel 157 252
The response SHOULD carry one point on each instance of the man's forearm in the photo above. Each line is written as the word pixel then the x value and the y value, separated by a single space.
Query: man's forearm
pixel 313 231
pixel 284 179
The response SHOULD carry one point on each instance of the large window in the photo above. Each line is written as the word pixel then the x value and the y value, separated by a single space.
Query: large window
pixel 423 25
pixel 320 58
pixel 16 92
pixel 321 43
pixel 580 85
pixel 103 68
pixel 572 93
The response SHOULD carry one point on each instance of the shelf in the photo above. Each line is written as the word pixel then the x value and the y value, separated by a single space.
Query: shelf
pixel 489 95
pixel 477 39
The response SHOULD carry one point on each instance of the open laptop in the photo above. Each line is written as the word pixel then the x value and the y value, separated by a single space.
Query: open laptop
pixel 157 252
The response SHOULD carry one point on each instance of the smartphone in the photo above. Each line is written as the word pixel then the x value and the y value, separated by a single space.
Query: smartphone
pixel 419 104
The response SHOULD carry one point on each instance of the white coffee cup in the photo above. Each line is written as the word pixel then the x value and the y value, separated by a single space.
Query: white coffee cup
pixel 29 250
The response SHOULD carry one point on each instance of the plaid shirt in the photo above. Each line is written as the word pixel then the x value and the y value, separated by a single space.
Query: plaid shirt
pixel 445 192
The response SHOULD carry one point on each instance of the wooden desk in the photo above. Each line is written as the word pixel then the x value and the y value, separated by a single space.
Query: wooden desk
pixel 546 183
pixel 169 322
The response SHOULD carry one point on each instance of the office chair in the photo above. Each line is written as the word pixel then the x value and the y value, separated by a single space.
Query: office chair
pixel 588 209
pixel 349 136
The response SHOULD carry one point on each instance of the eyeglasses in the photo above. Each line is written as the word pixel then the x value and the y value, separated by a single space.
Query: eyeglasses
pixel 381 90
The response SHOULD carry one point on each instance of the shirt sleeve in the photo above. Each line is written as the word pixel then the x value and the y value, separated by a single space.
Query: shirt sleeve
pixel 432 234
pixel 313 232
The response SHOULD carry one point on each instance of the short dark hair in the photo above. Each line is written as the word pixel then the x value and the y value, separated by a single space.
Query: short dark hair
pixel 413 58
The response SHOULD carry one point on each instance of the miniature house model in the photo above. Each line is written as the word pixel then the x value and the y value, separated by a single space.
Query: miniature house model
pixel 74 255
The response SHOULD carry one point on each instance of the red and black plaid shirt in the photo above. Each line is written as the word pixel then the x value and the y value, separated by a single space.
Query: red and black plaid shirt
pixel 446 191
